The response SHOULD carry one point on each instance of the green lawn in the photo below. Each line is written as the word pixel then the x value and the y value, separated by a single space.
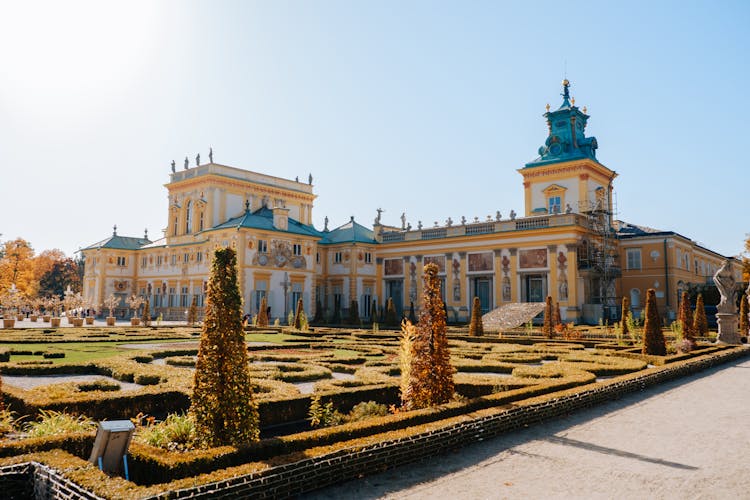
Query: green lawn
pixel 74 351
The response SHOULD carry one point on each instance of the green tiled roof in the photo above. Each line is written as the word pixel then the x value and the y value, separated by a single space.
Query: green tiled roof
pixel 263 219
pixel 119 243
pixel 351 232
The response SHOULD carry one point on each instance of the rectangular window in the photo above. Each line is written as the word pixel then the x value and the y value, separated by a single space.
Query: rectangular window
pixel 121 261
pixel 554 204
pixel 262 246
pixel 634 258
pixel 172 297
pixel 368 258
pixel 199 257
pixel 174 259
pixel 297 249
pixel 159 260
pixel 186 257
pixel 184 297
pixel 337 257
pixel 144 261
pixel 317 258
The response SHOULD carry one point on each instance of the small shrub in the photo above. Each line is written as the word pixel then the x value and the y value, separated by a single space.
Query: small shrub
pixel 98 385
pixel 176 432
pixel 188 361
pixel 365 410
pixel 53 354
pixel 54 423
pixel 323 415
pixel 146 379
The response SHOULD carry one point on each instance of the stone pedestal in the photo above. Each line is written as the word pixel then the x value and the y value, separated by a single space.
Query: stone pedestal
pixel 728 333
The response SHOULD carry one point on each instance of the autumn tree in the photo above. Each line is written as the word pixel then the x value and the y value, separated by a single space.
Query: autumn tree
pixel 262 319
pixel 556 318
pixel 686 319
pixel 476 328
pixel 653 338
pixel 744 326
pixel 17 267
pixel 430 374
pixel 700 322
pixel 624 315
pixel 547 328
pixel 61 274
pixel 222 404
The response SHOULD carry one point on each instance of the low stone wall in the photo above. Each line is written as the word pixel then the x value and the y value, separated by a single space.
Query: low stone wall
pixel 35 480
pixel 313 473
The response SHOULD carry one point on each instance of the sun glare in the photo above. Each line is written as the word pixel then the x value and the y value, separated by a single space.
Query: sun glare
pixel 73 49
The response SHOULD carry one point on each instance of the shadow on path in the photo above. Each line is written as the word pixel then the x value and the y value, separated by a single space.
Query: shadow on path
pixel 428 470
pixel 612 451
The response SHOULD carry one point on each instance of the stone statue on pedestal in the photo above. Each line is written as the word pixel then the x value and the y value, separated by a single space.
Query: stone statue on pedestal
pixel 726 315
pixel 210 155
pixel 186 163
pixel 173 166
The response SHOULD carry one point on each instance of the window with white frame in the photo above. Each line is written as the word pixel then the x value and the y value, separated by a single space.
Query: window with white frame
pixel 297 249
pixel 368 258
pixel 121 261
pixel 634 258
pixel 554 204
pixel 337 257
pixel 262 246
pixel 199 256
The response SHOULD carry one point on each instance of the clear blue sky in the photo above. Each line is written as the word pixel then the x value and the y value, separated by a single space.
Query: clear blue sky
pixel 426 108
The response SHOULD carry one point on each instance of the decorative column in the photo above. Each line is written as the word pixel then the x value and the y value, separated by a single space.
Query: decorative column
pixel 515 285
pixel 572 285
pixel 552 277
pixel 498 277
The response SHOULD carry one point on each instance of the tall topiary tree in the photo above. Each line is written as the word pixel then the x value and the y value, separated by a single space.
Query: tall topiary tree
pixel 686 319
pixel 744 324
pixel 262 319
pixel 374 311
pixel 192 316
pixel 146 314
pixel 298 314
pixel 354 313
pixel 431 374
pixel 700 322
pixel 624 316
pixel 412 313
pixel 222 404
pixel 391 318
pixel 556 318
pixel 653 338
pixel 476 328
pixel 547 328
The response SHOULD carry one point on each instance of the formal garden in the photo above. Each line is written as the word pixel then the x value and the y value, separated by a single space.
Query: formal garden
pixel 276 411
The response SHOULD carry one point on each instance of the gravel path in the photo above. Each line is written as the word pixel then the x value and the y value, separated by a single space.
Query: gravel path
pixel 685 439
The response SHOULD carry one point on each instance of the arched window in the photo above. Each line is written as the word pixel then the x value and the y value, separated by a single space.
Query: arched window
pixel 635 298
pixel 175 227
pixel 189 217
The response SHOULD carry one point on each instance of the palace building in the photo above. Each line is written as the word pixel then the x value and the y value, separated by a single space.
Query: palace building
pixel 567 244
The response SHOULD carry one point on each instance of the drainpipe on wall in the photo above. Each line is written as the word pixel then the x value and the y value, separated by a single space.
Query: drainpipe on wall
pixel 666 274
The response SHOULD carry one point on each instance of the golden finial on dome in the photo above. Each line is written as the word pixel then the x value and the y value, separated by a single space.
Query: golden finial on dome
pixel 547 107
pixel 573 101
pixel 584 110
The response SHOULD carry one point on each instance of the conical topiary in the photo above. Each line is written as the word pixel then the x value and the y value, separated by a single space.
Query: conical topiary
pixel 476 328
pixel 298 314
pixel 146 314
pixel 686 319
pixel 431 374
pixel 262 319
pixel 547 328
pixel 192 316
pixel 391 318
pixel 624 316
pixel 354 313
pixel 412 313
pixel 653 338
pixel 222 403
pixel 700 322
pixel 744 326
pixel 556 318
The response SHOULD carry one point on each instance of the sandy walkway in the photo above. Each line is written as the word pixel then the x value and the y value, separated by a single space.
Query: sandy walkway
pixel 684 439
